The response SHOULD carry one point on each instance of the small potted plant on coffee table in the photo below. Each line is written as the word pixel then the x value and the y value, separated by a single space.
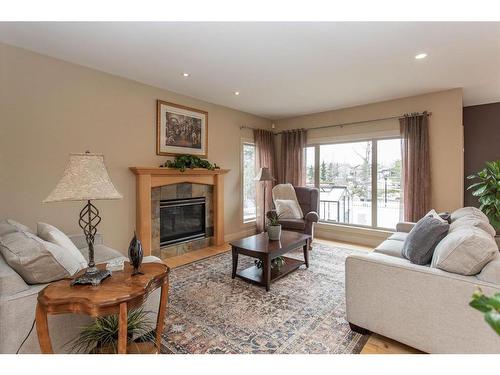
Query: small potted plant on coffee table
pixel 274 226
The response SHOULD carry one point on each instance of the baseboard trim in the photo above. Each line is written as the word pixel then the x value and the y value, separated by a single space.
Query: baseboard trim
pixel 343 233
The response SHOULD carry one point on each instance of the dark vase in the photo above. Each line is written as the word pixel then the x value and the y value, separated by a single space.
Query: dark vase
pixel 135 254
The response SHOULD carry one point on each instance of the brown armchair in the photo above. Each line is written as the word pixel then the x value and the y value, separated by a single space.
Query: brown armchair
pixel 308 199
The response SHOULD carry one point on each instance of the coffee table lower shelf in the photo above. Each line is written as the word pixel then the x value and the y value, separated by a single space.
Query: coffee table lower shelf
pixel 254 274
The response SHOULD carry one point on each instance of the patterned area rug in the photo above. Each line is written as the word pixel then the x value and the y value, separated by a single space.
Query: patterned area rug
pixel 304 312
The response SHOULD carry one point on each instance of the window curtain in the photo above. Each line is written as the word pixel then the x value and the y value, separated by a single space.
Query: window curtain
pixel 416 174
pixel 293 143
pixel 265 157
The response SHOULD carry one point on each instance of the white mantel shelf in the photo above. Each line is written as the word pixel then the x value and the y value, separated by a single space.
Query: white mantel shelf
pixel 150 177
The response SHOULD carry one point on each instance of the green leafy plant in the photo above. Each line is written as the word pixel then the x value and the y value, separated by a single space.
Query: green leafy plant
pixel 273 218
pixel 183 162
pixel 277 262
pixel 489 306
pixel 102 333
pixel 487 190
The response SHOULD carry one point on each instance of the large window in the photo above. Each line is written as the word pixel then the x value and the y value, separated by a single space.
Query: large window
pixel 352 176
pixel 249 200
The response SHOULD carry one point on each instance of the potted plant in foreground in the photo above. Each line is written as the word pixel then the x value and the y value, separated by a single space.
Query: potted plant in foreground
pixel 274 226
pixel 487 190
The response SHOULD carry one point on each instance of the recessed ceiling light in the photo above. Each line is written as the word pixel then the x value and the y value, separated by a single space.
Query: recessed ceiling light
pixel 185 74
pixel 421 56
pixel 236 93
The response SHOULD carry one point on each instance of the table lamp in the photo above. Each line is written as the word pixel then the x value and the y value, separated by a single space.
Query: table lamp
pixel 264 175
pixel 85 179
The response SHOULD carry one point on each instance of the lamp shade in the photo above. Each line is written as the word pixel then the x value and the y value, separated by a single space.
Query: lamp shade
pixel 264 175
pixel 85 178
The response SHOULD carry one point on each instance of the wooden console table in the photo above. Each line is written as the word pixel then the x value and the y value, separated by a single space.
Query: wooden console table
pixel 115 295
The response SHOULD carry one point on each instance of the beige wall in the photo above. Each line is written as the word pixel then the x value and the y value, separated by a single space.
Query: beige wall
pixel 446 135
pixel 49 108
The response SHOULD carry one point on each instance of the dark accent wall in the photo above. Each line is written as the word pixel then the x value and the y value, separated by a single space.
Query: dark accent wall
pixel 481 141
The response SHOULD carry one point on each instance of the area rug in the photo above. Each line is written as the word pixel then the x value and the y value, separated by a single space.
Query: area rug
pixel 304 312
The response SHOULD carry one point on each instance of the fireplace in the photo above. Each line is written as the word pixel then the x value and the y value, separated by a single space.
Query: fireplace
pixel 182 220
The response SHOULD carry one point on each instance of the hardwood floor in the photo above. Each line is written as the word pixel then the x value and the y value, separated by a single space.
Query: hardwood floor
pixel 376 344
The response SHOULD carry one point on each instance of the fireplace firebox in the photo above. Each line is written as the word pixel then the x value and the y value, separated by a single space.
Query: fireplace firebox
pixel 182 220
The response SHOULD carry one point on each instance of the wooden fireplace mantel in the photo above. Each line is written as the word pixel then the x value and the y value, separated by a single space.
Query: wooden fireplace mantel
pixel 150 177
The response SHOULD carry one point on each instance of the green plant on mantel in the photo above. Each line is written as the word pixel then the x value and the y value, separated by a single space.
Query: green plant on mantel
pixel 102 334
pixel 183 162
pixel 487 190
pixel 489 306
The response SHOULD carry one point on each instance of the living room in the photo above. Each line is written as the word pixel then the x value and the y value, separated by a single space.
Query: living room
pixel 250 187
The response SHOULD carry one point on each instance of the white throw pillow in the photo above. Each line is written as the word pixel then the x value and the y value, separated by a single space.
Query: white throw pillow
pixel 288 209
pixel 51 234
pixel 472 221
pixel 469 211
pixel 20 227
pixel 435 215
pixel 35 260
pixel 465 251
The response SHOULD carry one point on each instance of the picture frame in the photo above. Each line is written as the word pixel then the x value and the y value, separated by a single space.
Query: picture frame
pixel 181 130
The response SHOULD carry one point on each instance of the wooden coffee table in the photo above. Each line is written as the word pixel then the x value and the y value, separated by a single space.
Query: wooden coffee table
pixel 260 247
pixel 115 295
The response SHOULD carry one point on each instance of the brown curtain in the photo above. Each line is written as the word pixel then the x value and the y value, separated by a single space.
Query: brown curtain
pixel 265 157
pixel 416 165
pixel 293 143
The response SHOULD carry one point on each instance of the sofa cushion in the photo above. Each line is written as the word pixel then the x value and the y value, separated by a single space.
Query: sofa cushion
pixel 464 251
pixel 50 233
pixel 468 211
pixel 295 224
pixel 420 243
pixel 390 247
pixel 472 221
pixel 10 226
pixel 102 254
pixel 10 281
pixel 35 260
pixel 491 272
pixel 398 236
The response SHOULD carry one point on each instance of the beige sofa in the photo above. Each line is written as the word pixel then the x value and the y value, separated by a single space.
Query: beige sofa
pixel 423 307
pixel 18 302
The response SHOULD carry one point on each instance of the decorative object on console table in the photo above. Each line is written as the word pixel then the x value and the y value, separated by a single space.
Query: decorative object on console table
pixel 181 130
pixel 263 176
pixel 86 178
pixel 274 228
pixel 135 254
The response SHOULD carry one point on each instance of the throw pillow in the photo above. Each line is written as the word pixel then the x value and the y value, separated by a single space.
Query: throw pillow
pixel 288 209
pixel 20 227
pixel 51 234
pixel 435 215
pixel 420 243
pixel 468 211
pixel 472 221
pixel 464 251
pixel 35 260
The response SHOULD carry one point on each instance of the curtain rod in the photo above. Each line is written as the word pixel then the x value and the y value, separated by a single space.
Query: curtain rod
pixel 349 123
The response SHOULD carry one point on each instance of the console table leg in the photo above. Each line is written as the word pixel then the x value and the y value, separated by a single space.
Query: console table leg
pixel 162 311
pixel 42 330
pixel 122 329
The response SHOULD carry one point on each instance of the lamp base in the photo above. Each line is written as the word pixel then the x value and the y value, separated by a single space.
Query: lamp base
pixel 92 276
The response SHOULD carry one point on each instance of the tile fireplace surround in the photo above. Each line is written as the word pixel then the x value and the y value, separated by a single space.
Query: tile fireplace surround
pixel 154 184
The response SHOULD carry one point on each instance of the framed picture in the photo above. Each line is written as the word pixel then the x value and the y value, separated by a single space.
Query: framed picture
pixel 181 130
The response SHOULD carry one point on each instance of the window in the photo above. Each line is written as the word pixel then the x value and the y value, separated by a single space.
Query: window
pixel 249 200
pixel 349 185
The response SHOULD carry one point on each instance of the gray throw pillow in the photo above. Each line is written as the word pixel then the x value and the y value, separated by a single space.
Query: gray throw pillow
pixel 420 243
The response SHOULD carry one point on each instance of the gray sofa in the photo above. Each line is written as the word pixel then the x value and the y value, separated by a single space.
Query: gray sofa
pixel 18 302
pixel 423 307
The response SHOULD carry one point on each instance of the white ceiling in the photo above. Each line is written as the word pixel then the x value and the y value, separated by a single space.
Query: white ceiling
pixel 281 69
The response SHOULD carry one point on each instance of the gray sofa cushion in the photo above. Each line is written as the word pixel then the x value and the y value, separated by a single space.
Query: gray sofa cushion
pixel 420 243
pixel 35 260
pixel 399 236
pixel 472 221
pixel 10 281
pixel 464 251
pixel 390 247
pixel 491 272
pixel 468 211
